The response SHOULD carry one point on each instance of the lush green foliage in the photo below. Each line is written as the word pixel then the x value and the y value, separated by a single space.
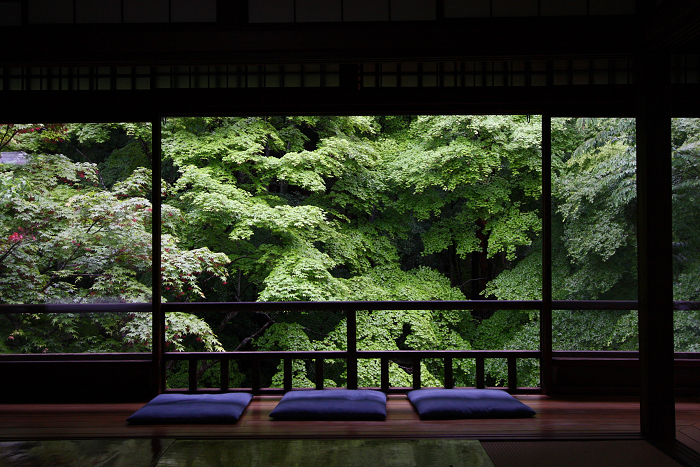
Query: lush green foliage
pixel 594 235
pixel 65 238
pixel 333 208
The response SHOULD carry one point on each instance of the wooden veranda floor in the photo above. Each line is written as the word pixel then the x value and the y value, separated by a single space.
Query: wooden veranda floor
pixel 558 419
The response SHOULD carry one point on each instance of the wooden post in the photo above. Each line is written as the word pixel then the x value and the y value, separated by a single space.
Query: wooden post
pixel 546 310
pixel 654 243
pixel 158 317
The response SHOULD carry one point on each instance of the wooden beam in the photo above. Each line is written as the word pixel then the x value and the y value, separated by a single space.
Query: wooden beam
pixel 115 106
pixel 230 41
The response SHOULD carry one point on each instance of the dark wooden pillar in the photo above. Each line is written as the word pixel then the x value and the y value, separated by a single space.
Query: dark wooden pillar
pixel 654 190
pixel 546 311
pixel 158 317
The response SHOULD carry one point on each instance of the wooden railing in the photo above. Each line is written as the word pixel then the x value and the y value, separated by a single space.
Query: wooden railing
pixel 384 356
pixel 351 355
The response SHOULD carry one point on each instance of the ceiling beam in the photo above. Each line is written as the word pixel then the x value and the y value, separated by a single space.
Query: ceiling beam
pixel 105 106
pixel 484 38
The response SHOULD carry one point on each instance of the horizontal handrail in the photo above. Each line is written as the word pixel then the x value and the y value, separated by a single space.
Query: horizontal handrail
pixel 325 354
pixel 358 305
pixel 557 354
pixel 335 306
pixel 78 308
pixel 75 357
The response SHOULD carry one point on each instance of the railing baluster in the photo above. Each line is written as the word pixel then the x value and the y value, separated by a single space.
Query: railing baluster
pixel 449 377
pixel 319 373
pixel 351 330
pixel 480 375
pixel 385 373
pixel 224 374
pixel 193 374
pixel 255 375
pixel 512 373
pixel 351 361
pixel 416 373
pixel 352 372
pixel 287 374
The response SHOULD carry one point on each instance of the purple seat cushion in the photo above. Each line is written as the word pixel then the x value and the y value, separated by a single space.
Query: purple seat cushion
pixel 442 404
pixel 192 408
pixel 331 404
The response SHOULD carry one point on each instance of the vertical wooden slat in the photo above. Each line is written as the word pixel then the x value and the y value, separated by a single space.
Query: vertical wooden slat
pixel 224 374
pixel 480 377
pixel 546 311
pixel 319 373
pixel 287 374
pixel 449 378
pixel 352 349
pixel 384 362
pixel 192 374
pixel 512 373
pixel 416 373
pixel 255 375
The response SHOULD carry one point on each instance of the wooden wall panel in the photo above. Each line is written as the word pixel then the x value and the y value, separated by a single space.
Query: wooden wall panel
pixel 10 14
pixel 146 11
pixel 365 10
pixel 94 11
pixel 50 11
pixel 318 11
pixel 75 382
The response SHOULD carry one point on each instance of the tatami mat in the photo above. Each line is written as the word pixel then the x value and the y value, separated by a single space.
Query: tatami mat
pixel 633 453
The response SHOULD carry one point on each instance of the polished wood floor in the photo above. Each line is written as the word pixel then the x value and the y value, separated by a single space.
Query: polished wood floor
pixel 561 418
pixel 688 423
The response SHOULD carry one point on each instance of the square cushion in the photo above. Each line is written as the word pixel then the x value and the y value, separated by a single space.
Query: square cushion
pixel 192 408
pixel 442 404
pixel 331 404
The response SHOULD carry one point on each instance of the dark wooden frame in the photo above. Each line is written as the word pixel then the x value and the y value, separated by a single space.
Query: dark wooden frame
pixel 648 38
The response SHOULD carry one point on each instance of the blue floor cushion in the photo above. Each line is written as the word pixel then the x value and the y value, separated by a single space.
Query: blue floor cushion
pixel 192 408
pixel 442 404
pixel 331 404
